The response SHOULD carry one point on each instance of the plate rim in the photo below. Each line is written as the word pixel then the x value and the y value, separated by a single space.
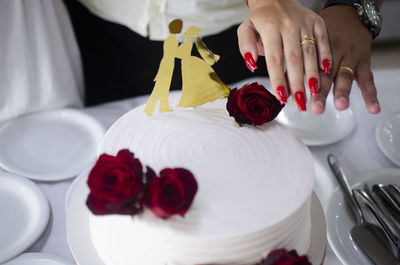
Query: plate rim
pixel 80 243
pixel 95 128
pixel 378 137
pixel 44 214
pixel 355 180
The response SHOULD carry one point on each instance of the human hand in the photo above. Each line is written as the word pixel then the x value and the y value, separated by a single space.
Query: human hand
pixel 350 43
pixel 275 29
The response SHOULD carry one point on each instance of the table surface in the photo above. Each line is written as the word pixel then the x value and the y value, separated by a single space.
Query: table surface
pixel 358 153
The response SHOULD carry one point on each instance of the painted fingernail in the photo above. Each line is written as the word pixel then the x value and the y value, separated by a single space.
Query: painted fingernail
pixel 326 63
pixel 313 85
pixel 281 91
pixel 300 100
pixel 250 63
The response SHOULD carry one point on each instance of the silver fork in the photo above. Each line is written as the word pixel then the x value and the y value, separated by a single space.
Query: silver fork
pixel 370 201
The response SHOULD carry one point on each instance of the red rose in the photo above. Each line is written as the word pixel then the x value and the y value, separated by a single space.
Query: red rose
pixel 253 104
pixel 282 257
pixel 115 184
pixel 171 193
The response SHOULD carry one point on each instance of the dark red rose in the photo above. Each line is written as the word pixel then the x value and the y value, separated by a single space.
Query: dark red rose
pixel 253 104
pixel 115 184
pixel 283 257
pixel 171 193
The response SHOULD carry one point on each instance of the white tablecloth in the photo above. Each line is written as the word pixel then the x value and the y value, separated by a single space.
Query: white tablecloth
pixel 358 153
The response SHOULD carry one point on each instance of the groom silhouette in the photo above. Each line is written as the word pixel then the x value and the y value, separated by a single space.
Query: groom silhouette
pixel 165 71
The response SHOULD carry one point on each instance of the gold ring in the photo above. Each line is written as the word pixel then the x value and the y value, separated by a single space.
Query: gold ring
pixel 346 68
pixel 307 40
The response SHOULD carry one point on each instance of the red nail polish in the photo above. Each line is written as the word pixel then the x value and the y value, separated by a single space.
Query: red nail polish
pixel 300 100
pixel 250 63
pixel 327 66
pixel 313 85
pixel 281 91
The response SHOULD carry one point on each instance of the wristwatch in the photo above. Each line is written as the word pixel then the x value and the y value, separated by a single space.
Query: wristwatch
pixel 367 10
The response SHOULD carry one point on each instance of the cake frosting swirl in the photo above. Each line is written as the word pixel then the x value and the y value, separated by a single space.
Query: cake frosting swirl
pixel 255 185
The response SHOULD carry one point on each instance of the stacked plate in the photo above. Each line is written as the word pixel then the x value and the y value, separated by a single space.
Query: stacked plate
pixel 24 214
pixel 50 146
pixel 46 146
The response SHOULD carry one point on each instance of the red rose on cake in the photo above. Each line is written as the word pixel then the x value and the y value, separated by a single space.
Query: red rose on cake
pixel 171 193
pixel 115 184
pixel 118 185
pixel 253 104
pixel 283 257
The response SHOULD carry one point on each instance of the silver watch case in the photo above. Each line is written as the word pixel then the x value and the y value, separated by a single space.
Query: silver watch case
pixel 369 15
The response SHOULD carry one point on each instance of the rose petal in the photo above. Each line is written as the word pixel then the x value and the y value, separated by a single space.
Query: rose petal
pixel 171 193
pixel 253 104
pixel 115 184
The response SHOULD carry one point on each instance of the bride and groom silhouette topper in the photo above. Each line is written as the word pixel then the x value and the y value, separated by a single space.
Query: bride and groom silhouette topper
pixel 200 84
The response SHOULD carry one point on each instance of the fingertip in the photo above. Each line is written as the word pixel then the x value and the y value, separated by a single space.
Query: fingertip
pixel 341 103
pixel 317 107
pixel 374 108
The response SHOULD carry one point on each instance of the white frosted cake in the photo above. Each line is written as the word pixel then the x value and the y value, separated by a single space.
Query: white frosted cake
pixel 255 185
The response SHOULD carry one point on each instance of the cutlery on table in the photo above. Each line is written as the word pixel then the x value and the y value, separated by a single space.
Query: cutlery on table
pixel 381 202
pixel 369 237
pixel 364 198
pixel 394 191
pixel 390 196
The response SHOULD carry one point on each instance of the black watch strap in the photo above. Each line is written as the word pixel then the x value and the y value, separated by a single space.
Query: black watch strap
pixel 340 2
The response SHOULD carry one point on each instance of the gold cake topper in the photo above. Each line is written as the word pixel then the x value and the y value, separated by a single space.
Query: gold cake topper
pixel 200 84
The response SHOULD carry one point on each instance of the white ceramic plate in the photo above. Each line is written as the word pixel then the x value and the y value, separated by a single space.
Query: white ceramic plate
pixel 388 137
pixel 84 252
pixel 24 214
pixel 340 219
pixel 39 259
pixel 313 130
pixel 50 146
pixel 324 183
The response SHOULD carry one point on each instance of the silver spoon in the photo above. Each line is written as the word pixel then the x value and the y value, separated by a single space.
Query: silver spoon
pixel 369 237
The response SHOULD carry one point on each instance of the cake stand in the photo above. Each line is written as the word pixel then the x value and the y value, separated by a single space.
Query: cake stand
pixel 84 252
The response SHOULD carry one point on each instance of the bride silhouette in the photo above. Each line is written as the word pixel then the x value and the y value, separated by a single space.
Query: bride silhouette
pixel 200 84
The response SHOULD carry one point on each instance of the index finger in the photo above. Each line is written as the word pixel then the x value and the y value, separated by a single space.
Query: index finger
pixel 273 51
